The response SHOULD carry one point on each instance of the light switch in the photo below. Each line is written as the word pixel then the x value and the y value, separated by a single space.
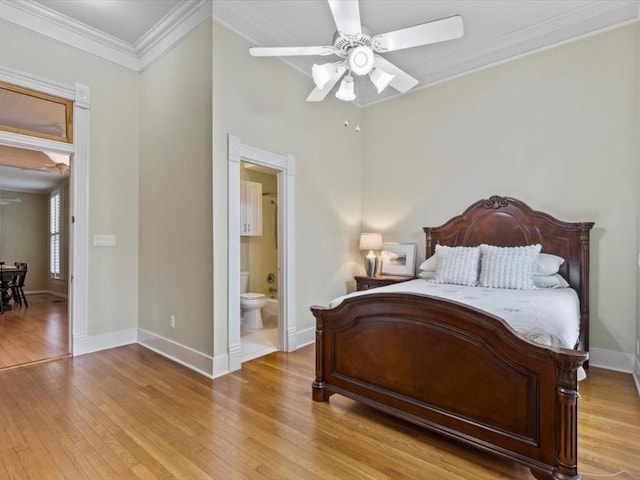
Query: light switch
pixel 104 240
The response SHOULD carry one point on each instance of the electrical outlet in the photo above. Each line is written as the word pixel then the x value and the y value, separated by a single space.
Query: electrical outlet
pixel 172 321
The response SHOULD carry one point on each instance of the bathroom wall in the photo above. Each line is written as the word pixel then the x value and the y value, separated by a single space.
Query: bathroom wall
pixel 259 255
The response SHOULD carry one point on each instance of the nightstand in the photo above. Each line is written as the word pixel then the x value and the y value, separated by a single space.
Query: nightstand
pixel 365 283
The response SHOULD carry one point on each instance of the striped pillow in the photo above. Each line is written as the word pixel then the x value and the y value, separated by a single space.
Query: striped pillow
pixel 508 267
pixel 457 265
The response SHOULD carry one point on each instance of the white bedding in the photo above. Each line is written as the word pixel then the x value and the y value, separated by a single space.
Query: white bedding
pixel 548 316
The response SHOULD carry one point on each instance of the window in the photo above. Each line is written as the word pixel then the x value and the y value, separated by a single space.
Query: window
pixel 54 234
pixel 34 113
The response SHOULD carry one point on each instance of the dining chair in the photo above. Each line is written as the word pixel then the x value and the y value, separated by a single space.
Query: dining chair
pixel 4 290
pixel 17 284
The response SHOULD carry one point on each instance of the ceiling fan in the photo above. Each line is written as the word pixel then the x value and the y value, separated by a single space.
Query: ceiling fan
pixel 49 162
pixel 358 52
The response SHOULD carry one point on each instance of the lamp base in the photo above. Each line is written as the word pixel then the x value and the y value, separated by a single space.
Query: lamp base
pixel 370 265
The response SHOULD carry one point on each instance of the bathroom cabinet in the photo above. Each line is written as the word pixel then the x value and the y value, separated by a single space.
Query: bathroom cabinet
pixel 250 208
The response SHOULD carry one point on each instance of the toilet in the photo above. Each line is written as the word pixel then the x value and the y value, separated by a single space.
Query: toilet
pixel 250 304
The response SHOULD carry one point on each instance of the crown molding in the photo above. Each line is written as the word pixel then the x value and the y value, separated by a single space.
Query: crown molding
pixel 575 25
pixel 170 30
pixel 163 36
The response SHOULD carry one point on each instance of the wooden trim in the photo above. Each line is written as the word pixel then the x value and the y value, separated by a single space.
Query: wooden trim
pixel 68 108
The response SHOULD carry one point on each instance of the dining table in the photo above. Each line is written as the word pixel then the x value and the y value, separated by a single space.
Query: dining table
pixel 7 273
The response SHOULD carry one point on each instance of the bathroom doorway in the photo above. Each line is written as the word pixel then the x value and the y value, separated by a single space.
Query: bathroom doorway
pixel 259 272
pixel 282 212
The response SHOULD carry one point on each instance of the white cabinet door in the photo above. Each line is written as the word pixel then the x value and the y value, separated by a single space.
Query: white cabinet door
pixel 250 208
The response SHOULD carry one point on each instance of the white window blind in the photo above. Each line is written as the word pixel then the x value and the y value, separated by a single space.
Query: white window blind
pixel 54 234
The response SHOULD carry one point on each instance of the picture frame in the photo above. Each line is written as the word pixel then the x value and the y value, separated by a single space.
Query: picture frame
pixel 399 259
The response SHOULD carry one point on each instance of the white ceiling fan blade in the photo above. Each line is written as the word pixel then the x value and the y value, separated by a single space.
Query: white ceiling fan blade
pixel 318 94
pixel 425 34
pixel 402 81
pixel 289 51
pixel 346 14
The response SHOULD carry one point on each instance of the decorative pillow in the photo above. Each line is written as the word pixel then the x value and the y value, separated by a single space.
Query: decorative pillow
pixel 427 275
pixel 508 267
pixel 548 264
pixel 430 264
pixel 457 265
pixel 550 281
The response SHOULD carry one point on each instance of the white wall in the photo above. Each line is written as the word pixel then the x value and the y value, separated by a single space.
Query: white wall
pixel 262 101
pixel 113 167
pixel 557 129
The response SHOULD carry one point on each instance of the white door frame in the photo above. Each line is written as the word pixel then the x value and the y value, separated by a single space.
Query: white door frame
pixel 285 167
pixel 79 181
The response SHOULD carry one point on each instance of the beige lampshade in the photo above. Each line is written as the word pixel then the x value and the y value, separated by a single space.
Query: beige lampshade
pixel 370 241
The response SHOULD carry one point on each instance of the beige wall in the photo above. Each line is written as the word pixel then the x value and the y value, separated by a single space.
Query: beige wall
pixel 175 194
pixel 113 166
pixel 557 129
pixel 24 235
pixel 261 100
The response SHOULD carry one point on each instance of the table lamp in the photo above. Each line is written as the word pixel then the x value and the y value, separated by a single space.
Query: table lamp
pixel 371 242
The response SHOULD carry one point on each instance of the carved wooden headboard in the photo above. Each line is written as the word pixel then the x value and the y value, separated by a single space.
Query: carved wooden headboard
pixel 507 222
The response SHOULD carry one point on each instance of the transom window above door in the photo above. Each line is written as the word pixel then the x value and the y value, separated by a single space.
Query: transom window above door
pixel 37 114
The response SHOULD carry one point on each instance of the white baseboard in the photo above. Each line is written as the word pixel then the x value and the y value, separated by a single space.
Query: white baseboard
pixel 302 338
pixel 50 292
pixel 94 343
pixel 212 367
pixel 177 352
pixel 611 360
pixel 636 375
pixel 220 365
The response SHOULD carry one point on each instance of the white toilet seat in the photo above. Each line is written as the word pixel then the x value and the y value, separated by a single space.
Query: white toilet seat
pixel 252 296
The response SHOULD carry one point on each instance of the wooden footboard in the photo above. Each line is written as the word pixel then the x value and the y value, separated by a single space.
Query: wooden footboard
pixel 454 370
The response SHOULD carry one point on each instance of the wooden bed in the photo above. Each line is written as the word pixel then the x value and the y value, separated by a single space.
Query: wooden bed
pixel 457 370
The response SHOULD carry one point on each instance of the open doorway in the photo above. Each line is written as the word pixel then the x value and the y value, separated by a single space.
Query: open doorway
pixel 34 247
pixel 76 101
pixel 259 268
pixel 280 168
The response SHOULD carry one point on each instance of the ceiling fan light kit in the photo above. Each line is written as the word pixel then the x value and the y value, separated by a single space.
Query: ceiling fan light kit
pixel 346 92
pixel 380 78
pixel 322 74
pixel 356 47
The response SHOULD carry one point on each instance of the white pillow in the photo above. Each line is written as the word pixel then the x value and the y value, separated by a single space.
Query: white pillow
pixel 430 264
pixel 548 264
pixel 508 267
pixel 427 275
pixel 457 265
pixel 550 281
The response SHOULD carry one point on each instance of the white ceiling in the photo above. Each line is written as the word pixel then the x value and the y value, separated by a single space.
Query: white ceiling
pixel 495 30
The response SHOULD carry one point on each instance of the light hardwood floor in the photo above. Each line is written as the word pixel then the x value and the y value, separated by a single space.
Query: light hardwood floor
pixel 35 333
pixel 129 413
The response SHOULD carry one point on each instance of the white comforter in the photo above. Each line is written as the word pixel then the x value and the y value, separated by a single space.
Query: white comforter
pixel 548 316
